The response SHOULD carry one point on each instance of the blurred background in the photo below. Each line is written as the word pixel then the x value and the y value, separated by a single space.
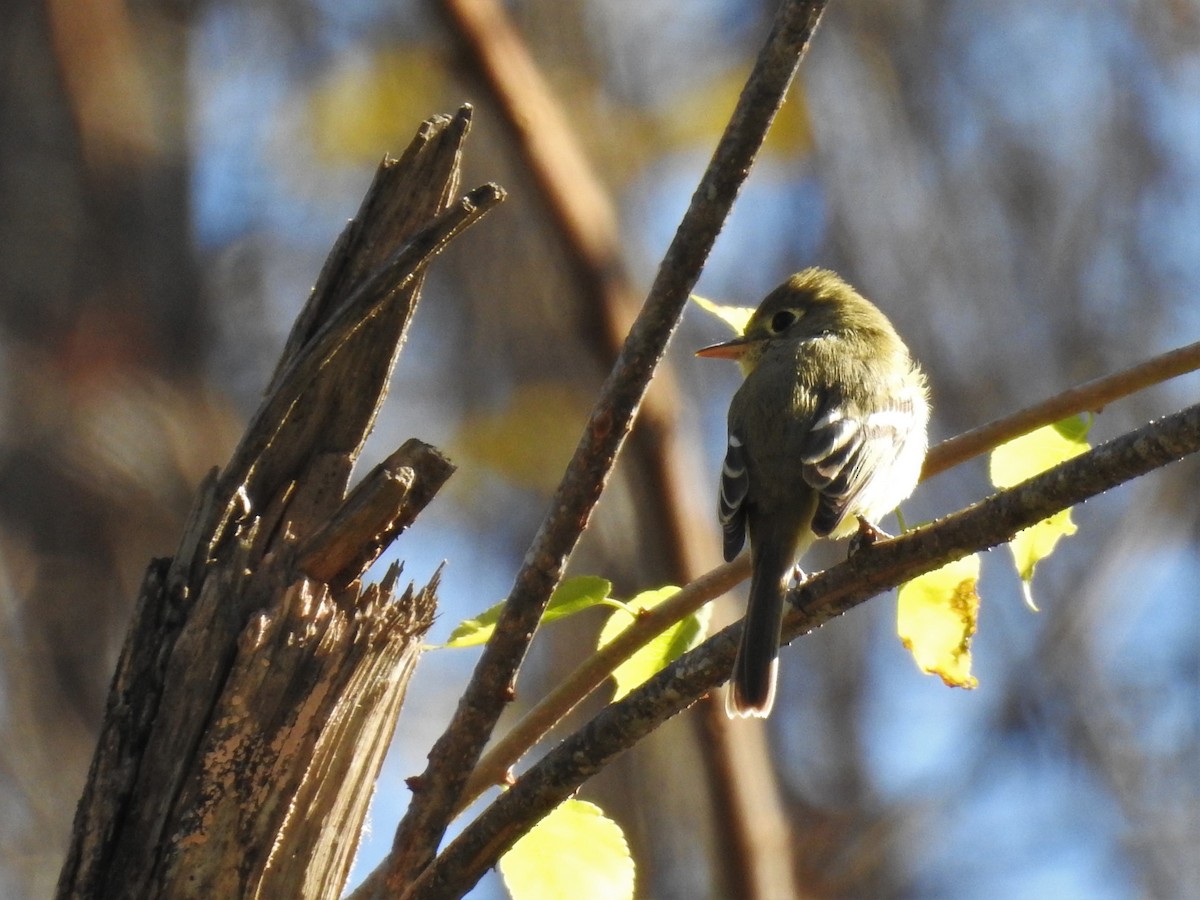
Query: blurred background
pixel 1017 184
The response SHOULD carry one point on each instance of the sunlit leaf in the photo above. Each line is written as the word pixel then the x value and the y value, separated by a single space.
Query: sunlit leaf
pixel 574 853
pixel 572 596
pixel 659 652
pixel 367 102
pixel 735 317
pixel 1021 459
pixel 699 116
pixel 530 440
pixel 936 620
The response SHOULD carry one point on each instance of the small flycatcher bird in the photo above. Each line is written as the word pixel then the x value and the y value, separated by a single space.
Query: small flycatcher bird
pixel 828 427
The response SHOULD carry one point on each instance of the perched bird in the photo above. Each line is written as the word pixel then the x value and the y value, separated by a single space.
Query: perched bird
pixel 828 427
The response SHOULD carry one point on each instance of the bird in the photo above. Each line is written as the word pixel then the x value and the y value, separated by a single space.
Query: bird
pixel 826 435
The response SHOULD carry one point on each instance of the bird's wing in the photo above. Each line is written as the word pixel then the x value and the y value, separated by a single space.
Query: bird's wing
pixel 735 482
pixel 846 450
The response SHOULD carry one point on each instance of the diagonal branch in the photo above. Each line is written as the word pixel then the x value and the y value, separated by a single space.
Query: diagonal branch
pixel 436 793
pixel 569 692
pixel 823 597
pixel 579 683
pixel 658 458
pixel 1087 397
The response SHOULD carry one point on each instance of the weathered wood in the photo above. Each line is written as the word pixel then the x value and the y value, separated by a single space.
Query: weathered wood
pixel 260 682
pixel 132 703
pixel 376 512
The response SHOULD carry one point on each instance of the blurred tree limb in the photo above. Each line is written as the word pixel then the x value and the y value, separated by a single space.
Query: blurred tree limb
pixel 569 692
pixel 260 681
pixel 108 426
pixel 824 596
pixel 741 810
pixel 437 791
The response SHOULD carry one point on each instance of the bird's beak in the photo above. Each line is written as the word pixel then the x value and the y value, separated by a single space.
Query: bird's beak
pixel 733 349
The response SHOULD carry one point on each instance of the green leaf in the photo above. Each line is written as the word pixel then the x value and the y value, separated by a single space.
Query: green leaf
pixel 1021 459
pixel 659 652
pixel 570 597
pixel 936 618
pixel 574 853
pixel 735 317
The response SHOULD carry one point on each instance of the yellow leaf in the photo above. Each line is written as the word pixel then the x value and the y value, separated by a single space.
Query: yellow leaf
pixel 530 441
pixel 661 650
pixel 574 853
pixel 700 116
pixel 735 317
pixel 936 619
pixel 1033 453
pixel 1035 544
pixel 367 103
pixel 1021 459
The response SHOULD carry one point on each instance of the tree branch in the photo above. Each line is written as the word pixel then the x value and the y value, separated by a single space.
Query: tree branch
pixel 658 459
pixel 567 694
pixel 253 702
pixel 823 597
pixel 436 793
pixel 1090 396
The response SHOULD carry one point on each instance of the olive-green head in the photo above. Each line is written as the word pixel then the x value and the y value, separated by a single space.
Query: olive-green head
pixel 811 303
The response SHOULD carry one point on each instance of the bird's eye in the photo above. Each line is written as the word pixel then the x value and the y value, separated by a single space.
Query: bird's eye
pixel 781 320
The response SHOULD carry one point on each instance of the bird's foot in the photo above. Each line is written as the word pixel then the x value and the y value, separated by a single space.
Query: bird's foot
pixel 866 535
pixel 799 576
pixel 793 584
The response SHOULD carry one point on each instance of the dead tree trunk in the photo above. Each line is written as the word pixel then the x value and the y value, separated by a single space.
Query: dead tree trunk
pixel 260 680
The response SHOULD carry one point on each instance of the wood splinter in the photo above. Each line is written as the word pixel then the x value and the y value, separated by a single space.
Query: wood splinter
pixel 375 513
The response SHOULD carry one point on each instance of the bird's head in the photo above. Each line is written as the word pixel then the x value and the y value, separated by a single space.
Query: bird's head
pixel 810 304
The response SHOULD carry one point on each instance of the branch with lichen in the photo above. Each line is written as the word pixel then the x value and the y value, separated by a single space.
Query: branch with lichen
pixel 821 598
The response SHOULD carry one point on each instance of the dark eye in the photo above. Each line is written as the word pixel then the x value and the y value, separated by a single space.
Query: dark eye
pixel 781 320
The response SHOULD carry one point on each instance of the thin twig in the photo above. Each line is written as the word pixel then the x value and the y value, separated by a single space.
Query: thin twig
pixel 571 691
pixel 579 207
pixel 436 793
pixel 823 597
pixel 1090 396
pixel 552 708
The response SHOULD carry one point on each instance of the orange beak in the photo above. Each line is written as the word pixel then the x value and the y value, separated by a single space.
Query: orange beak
pixel 733 349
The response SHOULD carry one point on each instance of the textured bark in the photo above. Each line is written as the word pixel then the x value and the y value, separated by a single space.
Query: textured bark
pixel 260 681
pixel 822 597
pixel 438 790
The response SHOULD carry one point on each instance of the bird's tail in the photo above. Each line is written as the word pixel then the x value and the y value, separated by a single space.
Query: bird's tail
pixel 752 688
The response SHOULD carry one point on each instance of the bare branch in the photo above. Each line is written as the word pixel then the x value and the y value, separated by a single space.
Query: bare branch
pixel 578 205
pixel 436 793
pixel 823 597
pixel 1090 396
